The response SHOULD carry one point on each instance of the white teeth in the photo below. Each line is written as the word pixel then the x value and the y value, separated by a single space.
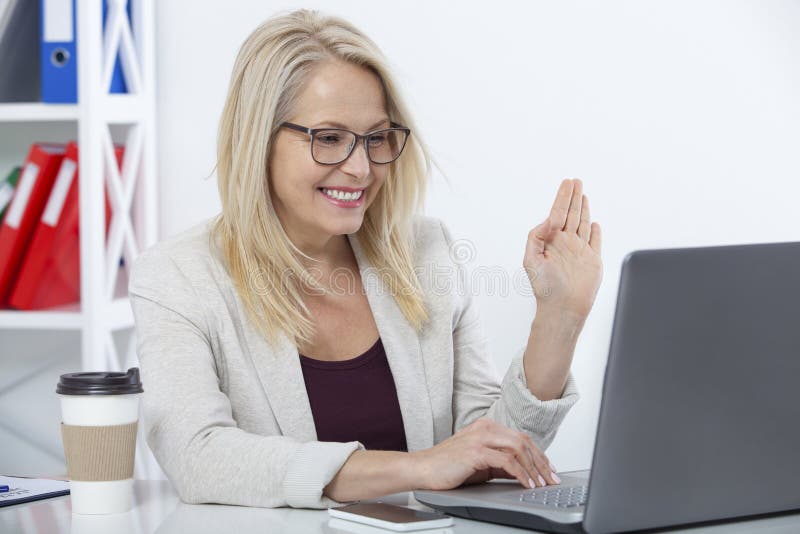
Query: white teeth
pixel 341 195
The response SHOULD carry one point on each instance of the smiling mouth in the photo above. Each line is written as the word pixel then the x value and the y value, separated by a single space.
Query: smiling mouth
pixel 341 195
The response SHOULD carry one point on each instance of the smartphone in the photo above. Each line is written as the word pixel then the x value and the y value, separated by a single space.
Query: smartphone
pixel 390 516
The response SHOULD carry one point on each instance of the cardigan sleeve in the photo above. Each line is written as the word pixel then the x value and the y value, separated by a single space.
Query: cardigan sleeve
pixel 476 391
pixel 188 420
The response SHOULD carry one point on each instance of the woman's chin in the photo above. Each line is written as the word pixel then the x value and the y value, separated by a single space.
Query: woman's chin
pixel 344 224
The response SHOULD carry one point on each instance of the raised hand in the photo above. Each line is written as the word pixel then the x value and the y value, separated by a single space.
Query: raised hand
pixel 562 256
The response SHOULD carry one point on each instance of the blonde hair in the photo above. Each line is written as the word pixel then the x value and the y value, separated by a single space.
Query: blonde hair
pixel 271 68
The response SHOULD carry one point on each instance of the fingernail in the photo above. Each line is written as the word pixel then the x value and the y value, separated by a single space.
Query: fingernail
pixel 530 483
pixel 555 477
pixel 541 480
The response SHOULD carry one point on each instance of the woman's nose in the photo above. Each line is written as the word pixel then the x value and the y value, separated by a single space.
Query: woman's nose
pixel 358 162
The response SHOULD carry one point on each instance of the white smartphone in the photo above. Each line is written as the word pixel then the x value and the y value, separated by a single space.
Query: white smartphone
pixel 390 516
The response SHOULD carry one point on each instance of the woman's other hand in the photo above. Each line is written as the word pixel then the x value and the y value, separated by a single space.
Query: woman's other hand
pixel 562 256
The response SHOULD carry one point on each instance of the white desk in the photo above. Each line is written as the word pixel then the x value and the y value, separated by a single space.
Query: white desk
pixel 159 511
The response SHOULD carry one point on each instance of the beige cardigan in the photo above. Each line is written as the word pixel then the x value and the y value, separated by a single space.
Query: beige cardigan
pixel 226 413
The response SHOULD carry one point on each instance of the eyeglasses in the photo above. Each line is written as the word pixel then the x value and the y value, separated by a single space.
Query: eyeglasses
pixel 331 146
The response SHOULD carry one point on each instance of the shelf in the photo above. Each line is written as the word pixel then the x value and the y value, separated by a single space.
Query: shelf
pixel 119 315
pixel 116 108
pixel 38 112
pixel 93 122
pixel 61 319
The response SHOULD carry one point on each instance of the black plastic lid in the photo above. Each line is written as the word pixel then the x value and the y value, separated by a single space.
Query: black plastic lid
pixel 100 383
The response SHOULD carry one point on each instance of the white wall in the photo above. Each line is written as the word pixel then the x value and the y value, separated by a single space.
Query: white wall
pixel 681 117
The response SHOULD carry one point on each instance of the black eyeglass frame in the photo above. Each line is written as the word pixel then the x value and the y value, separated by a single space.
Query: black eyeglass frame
pixel 313 131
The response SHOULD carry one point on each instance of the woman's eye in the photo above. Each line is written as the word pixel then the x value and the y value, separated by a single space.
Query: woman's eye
pixel 377 140
pixel 328 139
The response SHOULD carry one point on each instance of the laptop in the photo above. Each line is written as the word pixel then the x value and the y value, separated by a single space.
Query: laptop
pixel 700 412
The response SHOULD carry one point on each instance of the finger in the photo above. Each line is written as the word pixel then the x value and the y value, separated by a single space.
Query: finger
pixel 560 209
pixel 525 458
pixel 493 434
pixel 541 462
pixel 585 227
pixel 538 460
pixel 574 213
pixel 514 442
pixel 596 240
pixel 537 238
pixel 542 232
pixel 508 463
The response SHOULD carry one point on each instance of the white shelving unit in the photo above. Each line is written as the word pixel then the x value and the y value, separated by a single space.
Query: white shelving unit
pixel 104 306
pixel 132 192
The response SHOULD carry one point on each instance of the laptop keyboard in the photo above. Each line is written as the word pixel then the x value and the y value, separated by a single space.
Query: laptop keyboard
pixel 557 497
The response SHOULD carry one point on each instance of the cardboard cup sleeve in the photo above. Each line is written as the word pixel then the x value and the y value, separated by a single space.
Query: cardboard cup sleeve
pixel 99 453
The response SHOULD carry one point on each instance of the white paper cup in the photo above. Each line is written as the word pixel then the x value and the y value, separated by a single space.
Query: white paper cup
pixel 99 415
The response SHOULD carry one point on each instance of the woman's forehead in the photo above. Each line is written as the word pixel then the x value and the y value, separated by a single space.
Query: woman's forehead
pixel 344 94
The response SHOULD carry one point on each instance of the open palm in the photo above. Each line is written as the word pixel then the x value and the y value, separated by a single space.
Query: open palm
pixel 562 256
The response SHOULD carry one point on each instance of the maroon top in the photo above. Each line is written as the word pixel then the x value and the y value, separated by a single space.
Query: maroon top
pixel 355 400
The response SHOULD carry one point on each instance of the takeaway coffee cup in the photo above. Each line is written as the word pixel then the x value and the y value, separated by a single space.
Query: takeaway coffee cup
pixel 99 417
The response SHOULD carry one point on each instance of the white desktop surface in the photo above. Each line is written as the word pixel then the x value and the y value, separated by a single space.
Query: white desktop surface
pixel 159 511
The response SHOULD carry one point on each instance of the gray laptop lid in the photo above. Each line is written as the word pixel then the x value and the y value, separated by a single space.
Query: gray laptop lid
pixel 700 415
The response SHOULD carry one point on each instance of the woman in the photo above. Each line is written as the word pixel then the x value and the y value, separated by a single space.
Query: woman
pixel 268 382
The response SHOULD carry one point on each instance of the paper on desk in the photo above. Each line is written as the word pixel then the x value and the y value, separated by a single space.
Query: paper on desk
pixel 23 489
